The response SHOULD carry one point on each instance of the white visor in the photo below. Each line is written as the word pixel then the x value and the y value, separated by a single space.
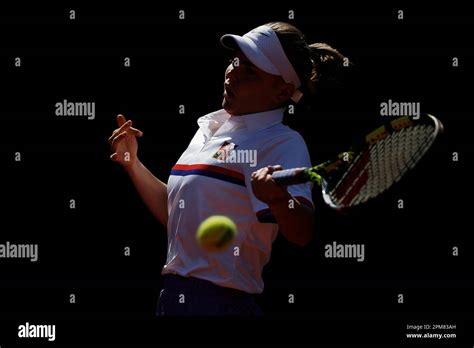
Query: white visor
pixel 263 48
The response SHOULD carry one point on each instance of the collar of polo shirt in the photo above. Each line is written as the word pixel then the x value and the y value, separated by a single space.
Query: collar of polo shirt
pixel 263 48
pixel 260 120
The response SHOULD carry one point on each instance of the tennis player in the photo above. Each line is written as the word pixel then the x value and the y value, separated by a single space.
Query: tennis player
pixel 272 67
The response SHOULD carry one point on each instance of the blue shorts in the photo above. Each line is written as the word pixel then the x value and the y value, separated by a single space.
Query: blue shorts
pixel 187 296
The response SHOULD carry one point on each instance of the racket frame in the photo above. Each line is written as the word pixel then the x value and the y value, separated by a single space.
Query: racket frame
pixel 326 188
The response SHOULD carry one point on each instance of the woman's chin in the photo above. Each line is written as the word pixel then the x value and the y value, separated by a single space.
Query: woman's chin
pixel 227 106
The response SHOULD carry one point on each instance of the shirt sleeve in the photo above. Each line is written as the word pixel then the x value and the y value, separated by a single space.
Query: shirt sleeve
pixel 289 152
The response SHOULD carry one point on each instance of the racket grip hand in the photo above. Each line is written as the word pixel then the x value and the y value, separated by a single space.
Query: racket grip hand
pixel 291 176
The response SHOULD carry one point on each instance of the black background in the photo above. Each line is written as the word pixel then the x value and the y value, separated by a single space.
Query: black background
pixel 177 62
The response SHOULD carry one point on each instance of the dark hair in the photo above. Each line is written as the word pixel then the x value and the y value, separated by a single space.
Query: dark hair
pixel 318 66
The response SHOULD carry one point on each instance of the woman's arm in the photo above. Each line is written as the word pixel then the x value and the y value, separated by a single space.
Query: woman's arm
pixel 296 220
pixel 124 151
pixel 152 190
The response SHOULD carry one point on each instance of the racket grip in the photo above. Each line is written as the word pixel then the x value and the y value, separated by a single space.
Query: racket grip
pixel 291 176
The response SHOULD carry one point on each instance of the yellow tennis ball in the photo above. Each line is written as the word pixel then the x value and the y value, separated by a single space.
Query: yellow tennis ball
pixel 216 233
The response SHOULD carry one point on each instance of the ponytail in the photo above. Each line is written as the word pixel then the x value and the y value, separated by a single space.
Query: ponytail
pixel 320 67
pixel 328 68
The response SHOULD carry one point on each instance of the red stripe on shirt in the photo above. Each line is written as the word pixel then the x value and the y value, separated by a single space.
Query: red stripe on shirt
pixel 210 168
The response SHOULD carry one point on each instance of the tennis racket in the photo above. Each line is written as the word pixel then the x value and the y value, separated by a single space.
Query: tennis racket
pixel 357 176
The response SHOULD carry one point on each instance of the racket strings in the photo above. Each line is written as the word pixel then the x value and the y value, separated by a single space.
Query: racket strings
pixel 382 164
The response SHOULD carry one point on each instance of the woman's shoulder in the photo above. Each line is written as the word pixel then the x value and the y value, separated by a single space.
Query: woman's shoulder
pixel 278 136
pixel 281 132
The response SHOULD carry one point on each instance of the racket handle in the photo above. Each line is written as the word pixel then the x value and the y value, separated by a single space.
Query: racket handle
pixel 291 176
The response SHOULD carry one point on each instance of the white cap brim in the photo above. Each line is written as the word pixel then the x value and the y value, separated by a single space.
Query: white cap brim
pixel 251 51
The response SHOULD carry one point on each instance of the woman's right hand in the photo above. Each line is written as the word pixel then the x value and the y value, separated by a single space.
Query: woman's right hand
pixel 124 143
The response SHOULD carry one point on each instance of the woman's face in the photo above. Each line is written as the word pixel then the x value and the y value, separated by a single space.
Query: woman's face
pixel 247 89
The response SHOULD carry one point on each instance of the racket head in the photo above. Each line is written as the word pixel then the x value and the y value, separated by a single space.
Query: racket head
pixel 385 157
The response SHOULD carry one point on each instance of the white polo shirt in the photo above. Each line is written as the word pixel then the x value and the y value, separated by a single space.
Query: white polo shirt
pixel 209 181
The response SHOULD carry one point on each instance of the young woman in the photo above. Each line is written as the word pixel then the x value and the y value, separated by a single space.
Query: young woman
pixel 273 66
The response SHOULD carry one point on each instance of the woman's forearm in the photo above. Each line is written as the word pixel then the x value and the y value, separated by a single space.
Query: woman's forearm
pixel 296 220
pixel 152 190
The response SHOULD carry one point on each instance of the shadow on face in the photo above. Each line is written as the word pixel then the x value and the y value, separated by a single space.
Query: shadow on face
pixel 248 89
